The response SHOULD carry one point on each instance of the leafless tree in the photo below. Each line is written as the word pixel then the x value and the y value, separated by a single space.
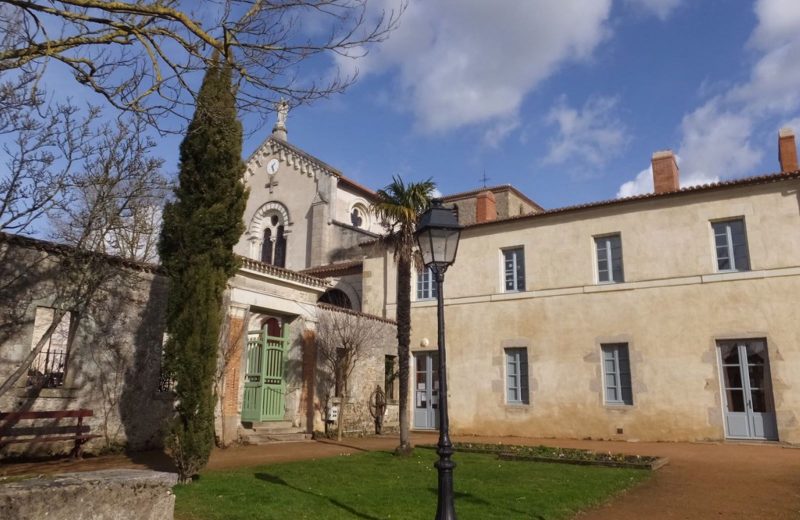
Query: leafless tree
pixel 42 143
pixel 343 341
pixel 143 55
pixel 117 195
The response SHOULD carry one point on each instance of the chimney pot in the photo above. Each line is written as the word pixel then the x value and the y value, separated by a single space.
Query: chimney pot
pixel 665 172
pixel 485 207
pixel 787 150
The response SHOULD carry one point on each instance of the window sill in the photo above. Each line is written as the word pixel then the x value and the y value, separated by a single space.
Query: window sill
pixel 732 275
pixel 517 408
pixel 618 406
pixel 424 303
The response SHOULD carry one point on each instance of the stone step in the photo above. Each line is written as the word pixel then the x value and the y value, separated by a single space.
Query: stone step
pixel 269 437
pixel 267 425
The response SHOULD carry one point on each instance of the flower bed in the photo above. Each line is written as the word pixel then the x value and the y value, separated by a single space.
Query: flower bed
pixel 543 453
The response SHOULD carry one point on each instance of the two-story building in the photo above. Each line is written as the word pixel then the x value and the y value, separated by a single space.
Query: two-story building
pixel 666 316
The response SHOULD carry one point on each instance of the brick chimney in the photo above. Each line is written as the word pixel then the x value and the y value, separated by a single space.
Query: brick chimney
pixel 787 150
pixel 485 207
pixel 665 172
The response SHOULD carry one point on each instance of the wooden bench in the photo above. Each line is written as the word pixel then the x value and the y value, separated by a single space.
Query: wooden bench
pixel 11 432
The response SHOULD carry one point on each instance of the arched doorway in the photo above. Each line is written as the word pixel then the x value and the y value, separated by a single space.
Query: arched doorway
pixel 337 298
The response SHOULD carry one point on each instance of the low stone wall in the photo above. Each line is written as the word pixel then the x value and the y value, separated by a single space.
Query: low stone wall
pixel 97 495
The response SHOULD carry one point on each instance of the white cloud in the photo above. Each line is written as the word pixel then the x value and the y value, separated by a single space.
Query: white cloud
pixel 642 183
pixel 793 123
pixel 467 62
pixel 716 143
pixel 660 8
pixel 499 131
pixel 716 137
pixel 589 135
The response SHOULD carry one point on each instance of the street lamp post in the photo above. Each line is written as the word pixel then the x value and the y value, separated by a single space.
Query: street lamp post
pixel 437 236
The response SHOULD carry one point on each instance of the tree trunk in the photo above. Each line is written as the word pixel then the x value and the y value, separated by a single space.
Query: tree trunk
pixel 340 419
pixel 403 344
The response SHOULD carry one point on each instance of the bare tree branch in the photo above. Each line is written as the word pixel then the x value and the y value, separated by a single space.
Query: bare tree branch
pixel 142 56
pixel 343 341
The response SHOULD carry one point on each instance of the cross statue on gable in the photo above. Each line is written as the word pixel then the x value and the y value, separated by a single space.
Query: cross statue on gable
pixel 484 178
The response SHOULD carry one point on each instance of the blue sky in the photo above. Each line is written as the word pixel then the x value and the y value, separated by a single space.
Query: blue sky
pixel 566 100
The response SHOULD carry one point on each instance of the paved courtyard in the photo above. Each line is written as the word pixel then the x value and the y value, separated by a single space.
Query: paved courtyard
pixel 702 480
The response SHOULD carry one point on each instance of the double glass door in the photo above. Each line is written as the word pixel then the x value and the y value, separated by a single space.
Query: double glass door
pixel 426 390
pixel 749 407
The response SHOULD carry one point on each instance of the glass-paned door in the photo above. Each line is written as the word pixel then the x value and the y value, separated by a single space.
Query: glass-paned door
pixel 747 391
pixel 426 390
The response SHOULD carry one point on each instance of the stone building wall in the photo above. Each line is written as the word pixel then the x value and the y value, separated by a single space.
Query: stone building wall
pixel 368 374
pixel 113 361
pixel 672 310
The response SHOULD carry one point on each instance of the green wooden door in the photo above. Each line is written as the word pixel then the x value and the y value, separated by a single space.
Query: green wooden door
pixel 265 385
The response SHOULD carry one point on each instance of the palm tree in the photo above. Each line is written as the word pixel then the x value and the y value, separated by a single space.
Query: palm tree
pixel 398 206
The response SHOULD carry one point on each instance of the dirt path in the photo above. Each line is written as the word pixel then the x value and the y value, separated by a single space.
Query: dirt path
pixel 714 481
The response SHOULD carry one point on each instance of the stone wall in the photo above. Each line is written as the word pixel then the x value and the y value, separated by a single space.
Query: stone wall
pixel 114 357
pixel 92 495
pixel 368 374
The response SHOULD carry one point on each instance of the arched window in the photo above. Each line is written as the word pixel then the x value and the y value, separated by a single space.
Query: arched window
pixel 273 327
pixel 336 297
pixel 273 246
pixel 359 216
pixel 280 248
pixel 355 218
pixel 266 247
pixel 268 232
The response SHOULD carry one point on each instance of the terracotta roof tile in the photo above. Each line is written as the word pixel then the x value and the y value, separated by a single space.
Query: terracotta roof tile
pixel 747 181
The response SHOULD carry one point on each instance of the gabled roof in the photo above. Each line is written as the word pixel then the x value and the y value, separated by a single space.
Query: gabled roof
pixel 703 188
pixel 308 158
pixel 494 189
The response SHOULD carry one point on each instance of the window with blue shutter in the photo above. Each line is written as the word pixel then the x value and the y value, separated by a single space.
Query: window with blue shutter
pixel 617 373
pixel 730 243
pixel 517 376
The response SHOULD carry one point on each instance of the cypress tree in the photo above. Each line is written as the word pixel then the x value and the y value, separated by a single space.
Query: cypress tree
pixel 199 231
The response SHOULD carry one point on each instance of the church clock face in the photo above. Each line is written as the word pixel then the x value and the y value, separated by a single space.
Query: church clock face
pixel 272 167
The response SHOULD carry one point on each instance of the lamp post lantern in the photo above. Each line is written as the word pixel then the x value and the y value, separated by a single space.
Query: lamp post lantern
pixel 437 236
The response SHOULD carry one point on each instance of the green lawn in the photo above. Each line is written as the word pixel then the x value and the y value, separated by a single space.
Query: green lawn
pixel 378 486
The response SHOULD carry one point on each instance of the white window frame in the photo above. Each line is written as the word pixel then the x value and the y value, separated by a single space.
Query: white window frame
pixel 518 368
pixel 609 258
pixel 729 245
pixel 617 372
pixel 426 285
pixel 513 274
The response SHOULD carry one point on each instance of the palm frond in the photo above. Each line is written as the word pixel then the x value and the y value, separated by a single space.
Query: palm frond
pixel 398 207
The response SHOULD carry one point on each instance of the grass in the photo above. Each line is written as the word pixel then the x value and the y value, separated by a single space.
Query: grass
pixel 380 486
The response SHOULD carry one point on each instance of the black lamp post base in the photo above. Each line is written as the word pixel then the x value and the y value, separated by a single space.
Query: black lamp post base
pixel 445 510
